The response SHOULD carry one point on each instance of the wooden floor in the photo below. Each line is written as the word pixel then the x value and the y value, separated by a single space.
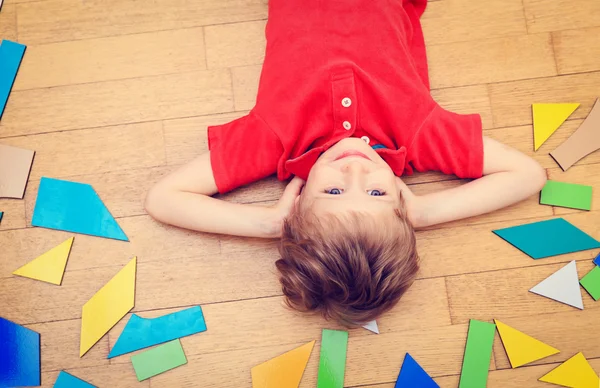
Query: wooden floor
pixel 117 93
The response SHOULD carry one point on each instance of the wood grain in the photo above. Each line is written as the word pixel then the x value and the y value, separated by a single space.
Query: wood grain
pixel 8 22
pixel 556 15
pixel 577 50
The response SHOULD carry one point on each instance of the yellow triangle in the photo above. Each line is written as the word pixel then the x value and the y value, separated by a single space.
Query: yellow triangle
pixel 521 348
pixel 284 371
pixel 576 372
pixel 547 118
pixel 50 266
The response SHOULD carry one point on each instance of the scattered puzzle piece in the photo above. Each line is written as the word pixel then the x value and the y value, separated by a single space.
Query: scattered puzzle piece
pixel 284 371
pixel 521 348
pixel 597 260
pixel 372 326
pixel 478 354
pixel 66 380
pixel 107 306
pixel 15 166
pixel 413 375
pixel 74 207
pixel 547 238
pixel 567 195
pixel 562 286
pixel 547 118
pixel 1 215
pixel 591 282
pixel 158 360
pixel 576 372
pixel 332 365
pixel 140 333
pixel 19 355
pixel 50 266
pixel 11 55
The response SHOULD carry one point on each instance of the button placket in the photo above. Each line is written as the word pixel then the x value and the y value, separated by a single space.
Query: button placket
pixel 344 102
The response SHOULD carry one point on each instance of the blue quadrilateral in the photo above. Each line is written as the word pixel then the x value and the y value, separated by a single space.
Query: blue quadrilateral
pixel 412 375
pixel 19 355
pixel 11 55
pixel 66 380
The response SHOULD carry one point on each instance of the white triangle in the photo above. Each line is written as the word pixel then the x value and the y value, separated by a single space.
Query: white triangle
pixel 372 326
pixel 562 286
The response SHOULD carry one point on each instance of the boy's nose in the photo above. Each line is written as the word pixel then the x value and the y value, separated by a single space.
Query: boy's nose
pixel 354 168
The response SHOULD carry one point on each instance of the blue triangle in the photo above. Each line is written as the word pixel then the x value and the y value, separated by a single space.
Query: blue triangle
pixel 66 380
pixel 74 207
pixel 412 375
pixel 597 260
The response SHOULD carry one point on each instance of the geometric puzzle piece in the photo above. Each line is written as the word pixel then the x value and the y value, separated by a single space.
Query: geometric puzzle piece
pixel 547 238
pixel 576 372
pixel 567 195
pixel 547 118
pixel 562 286
pixel 50 266
pixel 158 360
pixel 19 355
pixel 11 55
pixel 332 365
pixel 597 260
pixel 107 306
pixel 478 354
pixel 521 348
pixel 1 215
pixel 372 326
pixel 591 282
pixel 66 380
pixel 15 166
pixel 74 207
pixel 413 375
pixel 284 371
pixel 140 333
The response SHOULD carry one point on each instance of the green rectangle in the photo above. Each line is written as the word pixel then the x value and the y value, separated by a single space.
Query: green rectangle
pixel 478 354
pixel 158 360
pixel 567 195
pixel 332 365
pixel 591 283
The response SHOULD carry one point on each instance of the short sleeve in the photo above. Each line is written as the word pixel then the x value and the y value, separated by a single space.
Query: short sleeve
pixel 243 151
pixel 450 143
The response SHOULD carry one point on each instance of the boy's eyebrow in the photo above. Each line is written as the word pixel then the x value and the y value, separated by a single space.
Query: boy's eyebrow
pixel 382 198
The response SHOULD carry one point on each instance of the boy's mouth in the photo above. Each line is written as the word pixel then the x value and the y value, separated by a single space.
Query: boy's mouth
pixel 349 153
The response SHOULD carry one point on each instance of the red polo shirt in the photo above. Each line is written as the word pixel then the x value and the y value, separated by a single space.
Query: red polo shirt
pixel 340 68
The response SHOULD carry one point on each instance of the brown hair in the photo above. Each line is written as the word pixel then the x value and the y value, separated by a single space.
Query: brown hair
pixel 351 268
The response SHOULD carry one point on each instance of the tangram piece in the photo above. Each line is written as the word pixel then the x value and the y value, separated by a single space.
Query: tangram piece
pixel 74 207
pixel 50 266
pixel 140 333
pixel 547 118
pixel 284 371
pixel 521 348
pixel 562 286
pixel 15 166
pixel 567 195
pixel 413 375
pixel 591 282
pixel 597 260
pixel 11 55
pixel 107 306
pixel 372 326
pixel 478 354
pixel 19 355
pixel 332 365
pixel 1 215
pixel 66 380
pixel 158 360
pixel 582 143
pixel 548 238
pixel 576 372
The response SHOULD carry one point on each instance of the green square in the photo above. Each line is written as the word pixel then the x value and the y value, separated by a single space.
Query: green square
pixel 568 195
pixel 591 283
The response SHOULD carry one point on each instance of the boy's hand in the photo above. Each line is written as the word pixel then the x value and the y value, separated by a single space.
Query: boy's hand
pixel 290 196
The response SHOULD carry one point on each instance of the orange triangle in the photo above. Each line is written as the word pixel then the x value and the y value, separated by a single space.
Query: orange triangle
pixel 284 371
pixel 49 267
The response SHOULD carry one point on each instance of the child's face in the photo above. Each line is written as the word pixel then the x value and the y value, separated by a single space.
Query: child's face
pixel 351 176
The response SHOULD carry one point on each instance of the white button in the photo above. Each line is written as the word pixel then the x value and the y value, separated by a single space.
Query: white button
pixel 347 125
pixel 346 102
pixel 366 139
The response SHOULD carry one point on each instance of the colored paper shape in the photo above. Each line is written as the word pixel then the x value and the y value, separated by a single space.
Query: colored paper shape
pixel 567 195
pixel 107 306
pixel 372 326
pixel 158 360
pixel 576 372
pixel 50 266
pixel 19 355
pixel 332 365
pixel 15 166
pixel 478 354
pixel 521 348
pixel 284 371
pixel 11 55
pixel 413 375
pixel 562 286
pixel 140 333
pixel 1 215
pixel 591 283
pixel 597 260
pixel 547 118
pixel 548 238
pixel 66 380
pixel 74 207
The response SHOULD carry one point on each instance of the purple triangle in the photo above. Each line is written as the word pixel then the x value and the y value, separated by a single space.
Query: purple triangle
pixel 412 375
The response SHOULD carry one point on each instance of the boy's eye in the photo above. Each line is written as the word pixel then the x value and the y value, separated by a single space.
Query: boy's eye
pixel 333 191
pixel 376 193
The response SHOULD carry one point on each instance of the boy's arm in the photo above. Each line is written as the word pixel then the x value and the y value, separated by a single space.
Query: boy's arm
pixel 509 177
pixel 183 198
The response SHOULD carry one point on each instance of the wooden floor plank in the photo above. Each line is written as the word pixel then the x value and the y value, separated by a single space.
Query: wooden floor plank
pixel 116 376
pixel 554 15
pixel 577 50
pixel 238 44
pixel 8 22
pixel 14 214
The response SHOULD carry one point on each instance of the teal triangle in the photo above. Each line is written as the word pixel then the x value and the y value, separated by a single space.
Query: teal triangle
pixel 412 375
pixel 66 380
pixel 74 207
